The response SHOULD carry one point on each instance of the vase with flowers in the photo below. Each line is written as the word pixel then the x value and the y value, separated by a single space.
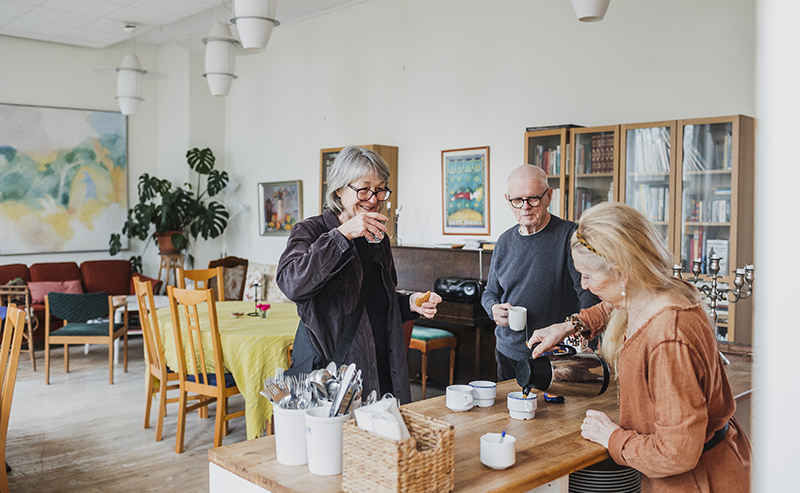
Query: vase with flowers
pixel 262 308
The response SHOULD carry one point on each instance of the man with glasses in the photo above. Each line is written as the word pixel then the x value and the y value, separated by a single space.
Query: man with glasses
pixel 532 268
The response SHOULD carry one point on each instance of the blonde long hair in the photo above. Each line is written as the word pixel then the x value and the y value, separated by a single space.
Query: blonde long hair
pixel 621 236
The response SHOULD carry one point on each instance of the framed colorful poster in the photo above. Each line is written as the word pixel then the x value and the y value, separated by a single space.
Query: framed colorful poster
pixel 63 179
pixel 465 191
pixel 281 206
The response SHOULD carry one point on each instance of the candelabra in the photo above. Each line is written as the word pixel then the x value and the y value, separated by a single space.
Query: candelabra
pixel 256 313
pixel 742 281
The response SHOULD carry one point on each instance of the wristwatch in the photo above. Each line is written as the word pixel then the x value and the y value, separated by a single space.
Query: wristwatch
pixel 580 329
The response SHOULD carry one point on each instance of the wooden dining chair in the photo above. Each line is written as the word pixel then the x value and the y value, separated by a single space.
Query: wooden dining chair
pixel 9 359
pixel 77 310
pixel 234 270
pixel 157 369
pixel 194 375
pixel 201 279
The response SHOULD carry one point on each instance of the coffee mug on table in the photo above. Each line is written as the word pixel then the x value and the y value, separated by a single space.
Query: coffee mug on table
pixel 498 451
pixel 483 393
pixel 517 318
pixel 520 407
pixel 459 397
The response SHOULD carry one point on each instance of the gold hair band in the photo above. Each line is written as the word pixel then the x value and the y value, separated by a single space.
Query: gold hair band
pixel 585 243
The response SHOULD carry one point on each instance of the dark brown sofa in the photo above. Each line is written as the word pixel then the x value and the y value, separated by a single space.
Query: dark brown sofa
pixel 115 277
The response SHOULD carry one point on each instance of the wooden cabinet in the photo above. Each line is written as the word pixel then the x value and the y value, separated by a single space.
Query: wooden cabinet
pixel 594 159
pixel 389 154
pixel 714 210
pixel 647 173
pixel 549 150
pixel 693 179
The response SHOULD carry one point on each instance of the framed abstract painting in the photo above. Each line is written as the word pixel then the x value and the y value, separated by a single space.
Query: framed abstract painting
pixel 280 205
pixel 63 179
pixel 465 191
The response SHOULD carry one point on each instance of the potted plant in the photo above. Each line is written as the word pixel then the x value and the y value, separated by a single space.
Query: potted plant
pixel 176 214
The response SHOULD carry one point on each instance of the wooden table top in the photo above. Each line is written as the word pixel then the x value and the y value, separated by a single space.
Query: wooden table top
pixel 549 446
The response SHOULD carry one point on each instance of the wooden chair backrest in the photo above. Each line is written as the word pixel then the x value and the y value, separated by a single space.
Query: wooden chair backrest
pixel 9 357
pixel 189 299
pixel 200 278
pixel 153 342
pixel 230 265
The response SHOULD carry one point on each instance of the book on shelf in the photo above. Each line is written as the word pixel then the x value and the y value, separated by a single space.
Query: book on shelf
pixel 472 244
pixel 721 249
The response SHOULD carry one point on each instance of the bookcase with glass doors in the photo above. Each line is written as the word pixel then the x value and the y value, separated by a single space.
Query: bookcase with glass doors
pixel 389 154
pixel 549 150
pixel 694 180
pixel 715 206
pixel 594 158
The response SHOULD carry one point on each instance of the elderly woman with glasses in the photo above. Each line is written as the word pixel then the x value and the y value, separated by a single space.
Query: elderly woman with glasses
pixel 338 268
pixel 675 405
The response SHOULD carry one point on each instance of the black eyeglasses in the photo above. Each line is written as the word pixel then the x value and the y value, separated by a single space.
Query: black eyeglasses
pixel 366 193
pixel 517 202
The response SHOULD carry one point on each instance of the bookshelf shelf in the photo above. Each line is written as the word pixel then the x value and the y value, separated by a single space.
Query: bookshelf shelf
pixel 689 223
pixel 707 172
pixel 389 154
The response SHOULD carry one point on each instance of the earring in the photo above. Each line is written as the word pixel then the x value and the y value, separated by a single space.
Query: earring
pixel 623 293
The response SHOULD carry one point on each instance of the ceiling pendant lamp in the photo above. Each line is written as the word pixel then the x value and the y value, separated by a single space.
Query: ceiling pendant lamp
pixel 129 84
pixel 220 59
pixel 130 76
pixel 255 20
pixel 590 10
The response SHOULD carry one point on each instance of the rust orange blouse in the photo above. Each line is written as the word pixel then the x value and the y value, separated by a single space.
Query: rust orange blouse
pixel 673 396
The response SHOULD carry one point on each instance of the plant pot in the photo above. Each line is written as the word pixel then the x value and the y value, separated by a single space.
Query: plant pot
pixel 165 245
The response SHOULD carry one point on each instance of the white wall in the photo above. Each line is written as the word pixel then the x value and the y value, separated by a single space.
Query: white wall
pixel 426 76
pixel 50 74
pixel 417 74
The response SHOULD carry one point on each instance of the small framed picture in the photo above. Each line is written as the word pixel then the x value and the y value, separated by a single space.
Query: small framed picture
pixel 465 191
pixel 280 207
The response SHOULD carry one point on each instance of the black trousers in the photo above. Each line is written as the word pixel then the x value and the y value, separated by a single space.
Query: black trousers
pixel 506 367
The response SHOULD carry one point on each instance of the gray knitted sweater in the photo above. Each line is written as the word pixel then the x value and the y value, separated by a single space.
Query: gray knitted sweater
pixel 536 272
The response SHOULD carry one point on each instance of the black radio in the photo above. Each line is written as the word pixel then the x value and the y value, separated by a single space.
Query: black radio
pixel 459 289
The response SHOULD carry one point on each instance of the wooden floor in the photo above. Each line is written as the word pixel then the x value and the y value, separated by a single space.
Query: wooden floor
pixel 80 434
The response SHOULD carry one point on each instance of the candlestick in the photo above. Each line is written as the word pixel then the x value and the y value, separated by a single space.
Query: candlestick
pixel 743 282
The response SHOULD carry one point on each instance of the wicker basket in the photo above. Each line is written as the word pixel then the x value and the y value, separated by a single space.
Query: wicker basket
pixel 375 464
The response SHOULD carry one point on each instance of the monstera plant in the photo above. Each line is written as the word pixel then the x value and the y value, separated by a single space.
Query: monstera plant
pixel 174 214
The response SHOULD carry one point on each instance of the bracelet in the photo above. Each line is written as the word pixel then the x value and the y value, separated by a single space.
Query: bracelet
pixel 580 329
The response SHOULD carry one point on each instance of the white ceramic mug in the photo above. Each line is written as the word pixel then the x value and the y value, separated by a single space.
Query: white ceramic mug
pixel 459 397
pixel 483 392
pixel 517 318
pixel 497 451
pixel 324 441
pixel 290 441
pixel 521 408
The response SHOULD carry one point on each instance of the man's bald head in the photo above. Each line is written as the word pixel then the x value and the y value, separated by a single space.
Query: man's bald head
pixel 527 173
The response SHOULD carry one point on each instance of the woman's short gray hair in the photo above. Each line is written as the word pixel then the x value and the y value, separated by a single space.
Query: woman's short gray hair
pixel 351 164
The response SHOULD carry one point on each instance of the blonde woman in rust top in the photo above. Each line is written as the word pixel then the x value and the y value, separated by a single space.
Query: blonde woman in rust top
pixel 676 407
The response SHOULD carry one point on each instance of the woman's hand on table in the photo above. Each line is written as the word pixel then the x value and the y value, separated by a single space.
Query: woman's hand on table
pixel 428 309
pixel 361 224
pixel 597 427
pixel 549 337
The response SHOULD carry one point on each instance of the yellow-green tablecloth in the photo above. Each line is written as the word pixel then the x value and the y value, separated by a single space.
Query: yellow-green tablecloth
pixel 252 348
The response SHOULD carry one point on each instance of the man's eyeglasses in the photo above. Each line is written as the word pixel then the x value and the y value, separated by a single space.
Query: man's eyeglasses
pixel 517 202
pixel 366 193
